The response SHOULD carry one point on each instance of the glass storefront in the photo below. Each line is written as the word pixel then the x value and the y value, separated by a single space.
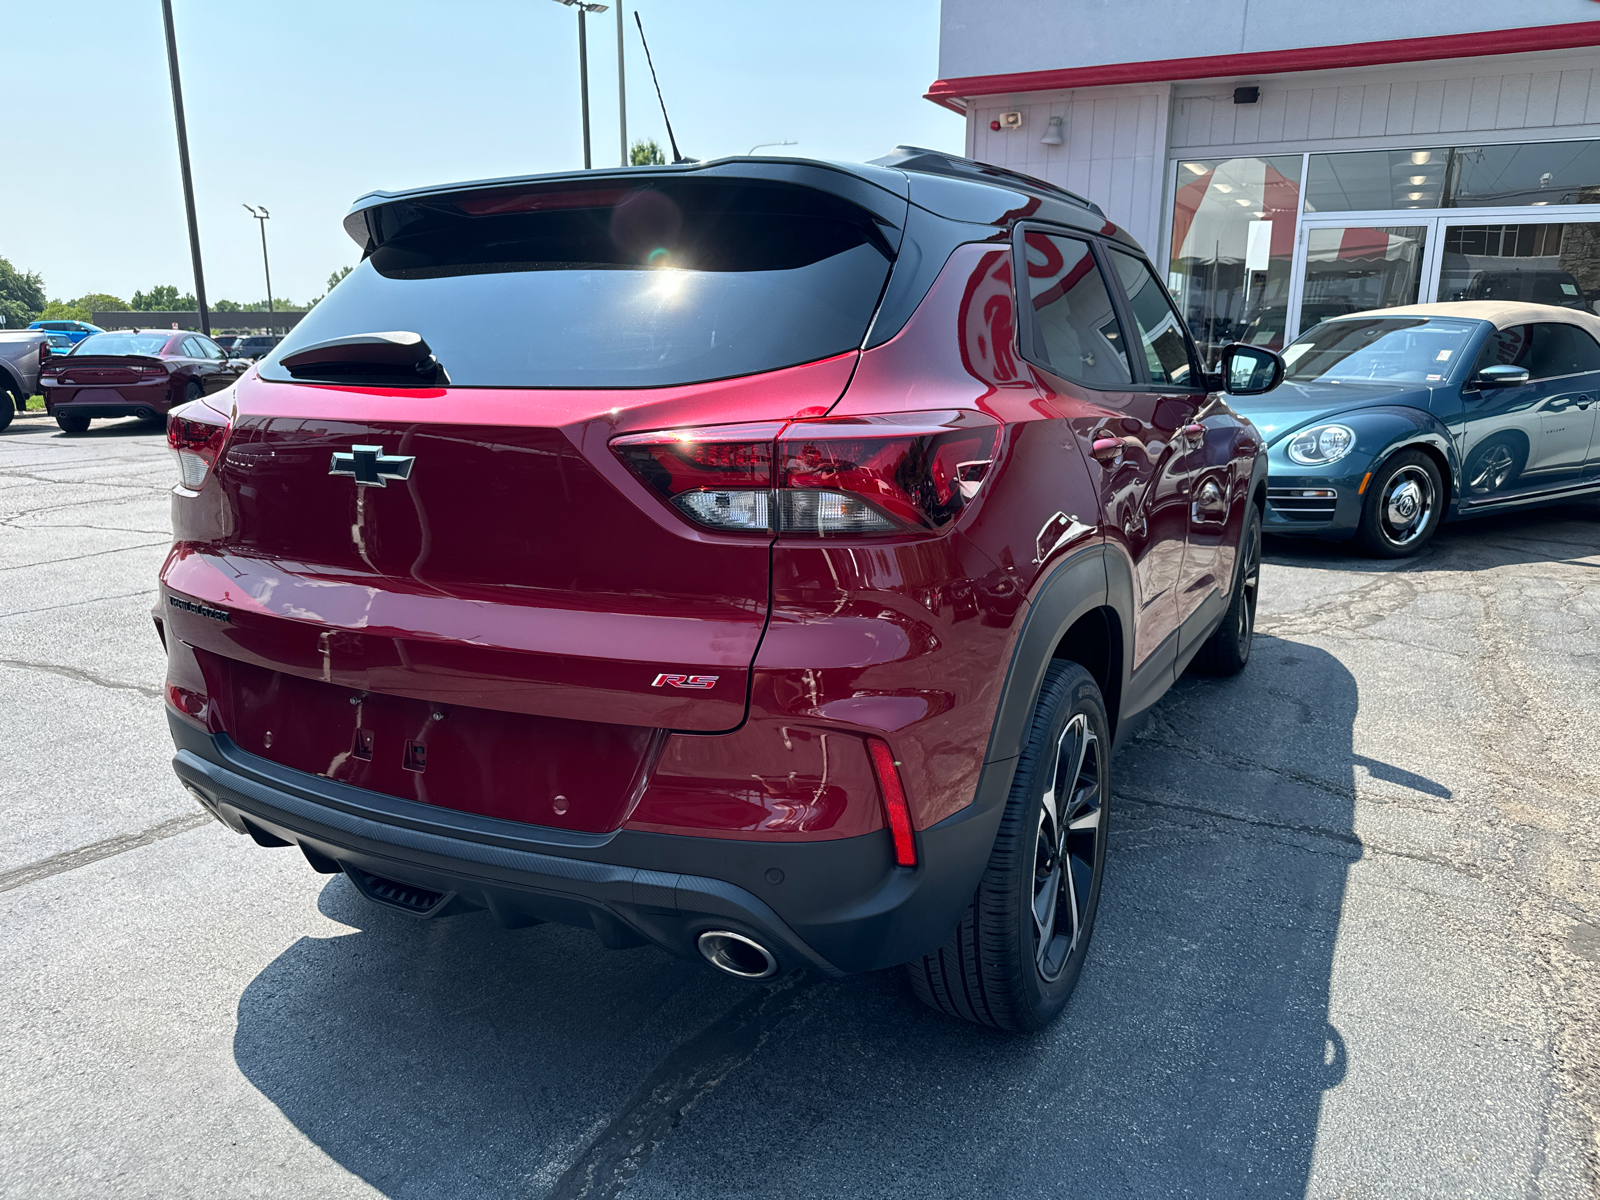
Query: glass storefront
pixel 1551 263
pixel 1233 249
pixel 1260 254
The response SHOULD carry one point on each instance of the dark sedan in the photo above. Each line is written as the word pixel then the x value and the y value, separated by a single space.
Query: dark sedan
pixel 1393 421
pixel 133 373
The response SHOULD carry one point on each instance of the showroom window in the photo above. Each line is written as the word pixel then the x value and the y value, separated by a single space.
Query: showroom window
pixel 1524 173
pixel 1232 248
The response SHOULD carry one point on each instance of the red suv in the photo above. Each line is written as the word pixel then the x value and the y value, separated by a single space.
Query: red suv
pixel 756 558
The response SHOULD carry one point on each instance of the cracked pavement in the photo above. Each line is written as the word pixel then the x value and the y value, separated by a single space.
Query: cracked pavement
pixel 1349 943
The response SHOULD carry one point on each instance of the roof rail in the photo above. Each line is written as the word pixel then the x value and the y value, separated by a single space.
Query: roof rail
pixel 937 162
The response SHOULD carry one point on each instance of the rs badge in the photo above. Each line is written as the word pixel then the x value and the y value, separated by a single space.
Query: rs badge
pixel 685 681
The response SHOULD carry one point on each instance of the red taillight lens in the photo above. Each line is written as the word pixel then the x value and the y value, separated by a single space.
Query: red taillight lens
pixel 880 475
pixel 155 372
pixel 856 476
pixel 719 476
pixel 198 435
pixel 190 703
pixel 895 809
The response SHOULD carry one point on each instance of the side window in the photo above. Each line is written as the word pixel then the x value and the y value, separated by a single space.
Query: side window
pixel 1548 349
pixel 191 348
pixel 208 348
pixel 1162 336
pixel 1073 326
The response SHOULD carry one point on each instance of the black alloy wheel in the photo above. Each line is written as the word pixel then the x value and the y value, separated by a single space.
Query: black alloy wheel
pixel 1228 648
pixel 1015 957
pixel 1404 504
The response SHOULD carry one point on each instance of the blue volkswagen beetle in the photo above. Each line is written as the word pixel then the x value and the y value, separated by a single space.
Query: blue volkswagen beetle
pixel 1391 421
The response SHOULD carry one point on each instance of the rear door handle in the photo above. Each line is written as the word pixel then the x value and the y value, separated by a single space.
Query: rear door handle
pixel 1194 434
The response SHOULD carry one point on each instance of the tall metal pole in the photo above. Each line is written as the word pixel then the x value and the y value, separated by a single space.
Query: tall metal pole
pixel 622 90
pixel 583 80
pixel 183 163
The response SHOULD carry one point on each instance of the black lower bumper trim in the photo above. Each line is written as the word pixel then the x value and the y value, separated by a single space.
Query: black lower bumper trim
pixel 832 906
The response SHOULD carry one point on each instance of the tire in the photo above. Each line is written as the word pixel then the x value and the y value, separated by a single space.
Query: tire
pixel 193 392
pixel 1495 465
pixel 1404 506
pixel 7 409
pixel 1002 965
pixel 1228 648
pixel 72 424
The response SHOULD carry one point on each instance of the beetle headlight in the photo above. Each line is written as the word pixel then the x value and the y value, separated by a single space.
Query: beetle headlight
pixel 1321 444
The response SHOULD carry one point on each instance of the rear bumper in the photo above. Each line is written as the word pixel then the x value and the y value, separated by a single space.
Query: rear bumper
pixel 834 906
pixel 120 400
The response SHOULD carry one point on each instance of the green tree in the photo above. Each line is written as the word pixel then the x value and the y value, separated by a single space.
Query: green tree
pixel 647 154
pixel 21 296
pixel 227 306
pixel 101 302
pixel 161 298
pixel 64 310
pixel 333 280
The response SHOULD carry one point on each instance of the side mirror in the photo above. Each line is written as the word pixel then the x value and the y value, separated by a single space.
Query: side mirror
pixel 1247 370
pixel 1502 375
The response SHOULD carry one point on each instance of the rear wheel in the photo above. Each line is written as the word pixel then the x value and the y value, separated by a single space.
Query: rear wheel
pixel 7 409
pixel 1404 505
pixel 72 424
pixel 1228 649
pixel 1015 957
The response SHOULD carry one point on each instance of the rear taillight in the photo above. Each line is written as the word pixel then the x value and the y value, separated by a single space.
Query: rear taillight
pixel 870 475
pixel 155 372
pixel 198 435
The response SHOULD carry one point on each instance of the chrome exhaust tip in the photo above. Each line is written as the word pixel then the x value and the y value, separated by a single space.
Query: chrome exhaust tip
pixel 736 954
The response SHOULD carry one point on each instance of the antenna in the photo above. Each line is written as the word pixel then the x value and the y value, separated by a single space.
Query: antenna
pixel 676 157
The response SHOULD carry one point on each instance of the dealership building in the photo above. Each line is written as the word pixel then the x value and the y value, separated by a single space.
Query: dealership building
pixel 1289 160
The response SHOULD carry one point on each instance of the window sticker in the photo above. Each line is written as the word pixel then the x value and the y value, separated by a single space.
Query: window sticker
pixel 1444 356
pixel 1434 378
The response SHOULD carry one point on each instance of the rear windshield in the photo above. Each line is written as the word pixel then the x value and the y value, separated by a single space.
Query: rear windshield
pixel 646 286
pixel 123 343
pixel 1382 349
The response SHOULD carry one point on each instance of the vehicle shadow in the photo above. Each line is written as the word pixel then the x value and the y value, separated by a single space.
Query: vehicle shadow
pixel 1556 533
pixel 453 1058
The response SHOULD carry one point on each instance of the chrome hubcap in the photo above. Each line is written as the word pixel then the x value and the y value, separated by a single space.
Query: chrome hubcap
pixel 1407 505
pixel 1066 848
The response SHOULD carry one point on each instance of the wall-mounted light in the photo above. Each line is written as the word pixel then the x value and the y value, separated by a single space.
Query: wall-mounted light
pixel 1418 180
pixel 1421 157
pixel 1052 133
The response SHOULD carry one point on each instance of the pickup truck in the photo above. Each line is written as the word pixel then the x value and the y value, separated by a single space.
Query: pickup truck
pixel 20 351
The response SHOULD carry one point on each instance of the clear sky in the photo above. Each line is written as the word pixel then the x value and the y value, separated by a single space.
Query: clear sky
pixel 302 105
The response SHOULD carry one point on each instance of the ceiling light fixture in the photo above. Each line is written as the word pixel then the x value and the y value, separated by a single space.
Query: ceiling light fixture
pixel 1421 157
pixel 1196 168
pixel 1224 188
pixel 1418 180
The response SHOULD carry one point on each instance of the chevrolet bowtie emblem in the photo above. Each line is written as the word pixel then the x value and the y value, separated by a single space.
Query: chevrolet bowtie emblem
pixel 370 466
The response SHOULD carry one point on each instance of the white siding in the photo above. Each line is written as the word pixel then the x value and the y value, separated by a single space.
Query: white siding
pixel 1497 100
pixel 1114 150
pixel 997 37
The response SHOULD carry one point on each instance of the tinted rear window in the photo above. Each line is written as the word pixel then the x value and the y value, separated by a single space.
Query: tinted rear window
pixel 123 343
pixel 647 286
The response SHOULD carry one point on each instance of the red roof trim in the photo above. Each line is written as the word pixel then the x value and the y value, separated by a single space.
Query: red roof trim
pixel 1569 36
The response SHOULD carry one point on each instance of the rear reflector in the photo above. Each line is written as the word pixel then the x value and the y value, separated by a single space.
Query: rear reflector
pixel 871 475
pixel 198 435
pixel 894 802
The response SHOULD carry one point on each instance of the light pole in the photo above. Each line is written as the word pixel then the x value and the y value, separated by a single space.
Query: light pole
pixel 622 92
pixel 584 7
pixel 261 214
pixel 183 163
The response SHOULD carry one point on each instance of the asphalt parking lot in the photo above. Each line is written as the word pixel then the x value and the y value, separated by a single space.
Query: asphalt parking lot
pixel 1349 944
